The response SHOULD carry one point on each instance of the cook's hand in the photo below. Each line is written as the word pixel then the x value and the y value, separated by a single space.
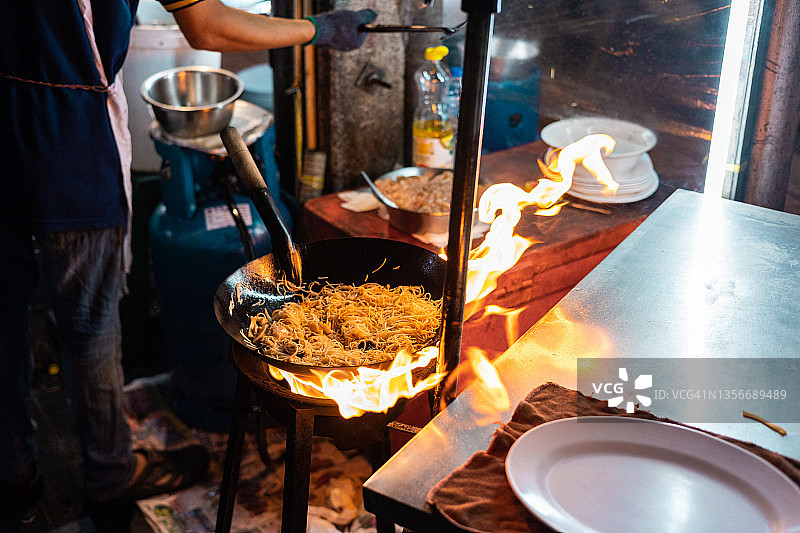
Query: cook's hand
pixel 339 29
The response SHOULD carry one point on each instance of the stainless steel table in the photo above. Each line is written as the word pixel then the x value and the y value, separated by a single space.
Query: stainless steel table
pixel 698 278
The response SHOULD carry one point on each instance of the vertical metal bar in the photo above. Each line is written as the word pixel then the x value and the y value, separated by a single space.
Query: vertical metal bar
pixel 777 121
pixel 378 453
pixel 477 48
pixel 297 473
pixel 233 456
pixel 282 61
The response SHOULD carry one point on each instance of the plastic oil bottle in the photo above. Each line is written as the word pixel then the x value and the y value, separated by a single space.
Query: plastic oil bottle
pixel 454 99
pixel 432 129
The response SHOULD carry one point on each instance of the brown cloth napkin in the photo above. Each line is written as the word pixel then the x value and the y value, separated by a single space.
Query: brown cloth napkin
pixel 477 497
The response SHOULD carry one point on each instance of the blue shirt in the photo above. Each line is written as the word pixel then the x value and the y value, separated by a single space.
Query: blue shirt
pixel 60 168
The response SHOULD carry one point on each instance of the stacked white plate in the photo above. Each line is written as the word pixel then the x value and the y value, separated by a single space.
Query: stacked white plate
pixel 629 163
pixel 638 184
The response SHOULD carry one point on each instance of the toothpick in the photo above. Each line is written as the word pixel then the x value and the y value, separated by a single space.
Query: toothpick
pixel 770 425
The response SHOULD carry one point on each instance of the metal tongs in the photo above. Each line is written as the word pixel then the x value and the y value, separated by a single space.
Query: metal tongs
pixel 396 28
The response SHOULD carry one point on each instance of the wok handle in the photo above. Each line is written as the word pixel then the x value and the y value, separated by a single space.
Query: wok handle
pixel 282 245
pixel 394 28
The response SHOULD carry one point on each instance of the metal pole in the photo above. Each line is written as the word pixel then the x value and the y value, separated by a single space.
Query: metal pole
pixel 466 168
pixel 297 473
pixel 283 61
pixel 233 456
pixel 777 121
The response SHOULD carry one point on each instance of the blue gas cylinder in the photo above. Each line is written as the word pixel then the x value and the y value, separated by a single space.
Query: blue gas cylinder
pixel 195 245
pixel 512 112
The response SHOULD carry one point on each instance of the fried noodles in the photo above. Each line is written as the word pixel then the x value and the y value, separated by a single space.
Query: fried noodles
pixel 423 194
pixel 347 325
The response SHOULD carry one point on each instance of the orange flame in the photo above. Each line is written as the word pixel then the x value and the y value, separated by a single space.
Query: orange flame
pixel 550 211
pixel 561 166
pixel 490 378
pixel 501 205
pixel 512 320
pixel 490 397
pixel 366 389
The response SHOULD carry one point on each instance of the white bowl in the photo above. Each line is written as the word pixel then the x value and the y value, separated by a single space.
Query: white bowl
pixel 632 140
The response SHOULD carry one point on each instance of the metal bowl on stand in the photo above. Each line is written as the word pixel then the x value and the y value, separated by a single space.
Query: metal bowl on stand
pixel 192 101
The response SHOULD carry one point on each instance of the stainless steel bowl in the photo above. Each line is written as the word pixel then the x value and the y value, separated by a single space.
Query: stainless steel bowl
pixel 192 101
pixel 416 221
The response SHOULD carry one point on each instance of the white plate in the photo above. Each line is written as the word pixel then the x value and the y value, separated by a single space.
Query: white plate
pixel 639 173
pixel 632 140
pixel 640 183
pixel 639 168
pixel 624 188
pixel 622 195
pixel 607 474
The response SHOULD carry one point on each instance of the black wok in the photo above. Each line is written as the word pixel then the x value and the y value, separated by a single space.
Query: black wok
pixel 254 287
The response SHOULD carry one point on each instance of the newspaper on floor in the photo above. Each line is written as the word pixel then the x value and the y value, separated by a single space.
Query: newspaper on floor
pixel 335 503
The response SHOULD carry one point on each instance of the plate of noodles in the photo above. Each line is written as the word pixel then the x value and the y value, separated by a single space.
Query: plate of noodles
pixel 362 301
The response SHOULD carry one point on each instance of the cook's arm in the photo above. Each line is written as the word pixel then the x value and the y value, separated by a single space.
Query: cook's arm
pixel 211 25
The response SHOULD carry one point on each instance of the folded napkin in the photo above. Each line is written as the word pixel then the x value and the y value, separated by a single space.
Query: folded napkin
pixel 441 239
pixel 359 201
pixel 477 497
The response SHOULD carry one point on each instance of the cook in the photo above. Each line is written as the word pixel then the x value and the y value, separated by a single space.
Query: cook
pixel 66 194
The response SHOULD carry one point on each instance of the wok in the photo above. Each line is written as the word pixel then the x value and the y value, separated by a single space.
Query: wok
pixel 355 260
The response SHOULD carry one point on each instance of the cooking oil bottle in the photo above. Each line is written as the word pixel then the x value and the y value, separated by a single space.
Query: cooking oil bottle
pixel 432 129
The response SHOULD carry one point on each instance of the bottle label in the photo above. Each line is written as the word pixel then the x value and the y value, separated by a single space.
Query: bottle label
pixel 433 152
pixel 311 181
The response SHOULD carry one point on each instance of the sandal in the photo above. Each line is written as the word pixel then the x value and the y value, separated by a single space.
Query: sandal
pixel 168 471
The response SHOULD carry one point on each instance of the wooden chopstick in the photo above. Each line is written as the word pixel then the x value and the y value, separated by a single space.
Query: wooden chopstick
pixel 770 425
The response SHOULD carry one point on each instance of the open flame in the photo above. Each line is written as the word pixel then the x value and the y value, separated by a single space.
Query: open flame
pixel 560 167
pixel 511 317
pixel 490 396
pixel 501 205
pixel 367 389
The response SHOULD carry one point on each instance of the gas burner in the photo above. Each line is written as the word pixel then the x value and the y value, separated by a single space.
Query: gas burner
pixel 304 417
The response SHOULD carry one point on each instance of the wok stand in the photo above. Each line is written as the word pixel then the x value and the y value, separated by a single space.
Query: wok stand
pixel 304 417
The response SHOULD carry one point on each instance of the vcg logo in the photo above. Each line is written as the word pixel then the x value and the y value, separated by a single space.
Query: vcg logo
pixel 644 381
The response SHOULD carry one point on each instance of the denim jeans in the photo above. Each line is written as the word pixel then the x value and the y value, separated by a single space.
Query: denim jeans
pixel 84 279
